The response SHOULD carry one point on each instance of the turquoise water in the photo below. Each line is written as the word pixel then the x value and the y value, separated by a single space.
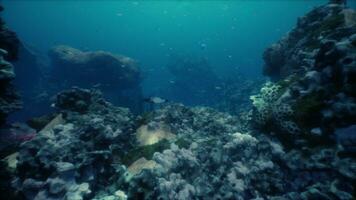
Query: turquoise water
pixel 232 35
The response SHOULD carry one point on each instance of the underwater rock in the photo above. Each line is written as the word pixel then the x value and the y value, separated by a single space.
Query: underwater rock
pixel 298 51
pixel 76 99
pixel 8 41
pixel 9 99
pixel 12 136
pixel 7 69
pixel 314 89
pixel 118 76
pixel 38 123
pixel 85 69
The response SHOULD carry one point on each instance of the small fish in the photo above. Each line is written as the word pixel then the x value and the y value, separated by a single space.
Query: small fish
pixel 156 100
pixel 203 46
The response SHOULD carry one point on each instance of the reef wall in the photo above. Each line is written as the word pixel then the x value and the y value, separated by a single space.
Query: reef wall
pixel 9 44
pixel 313 69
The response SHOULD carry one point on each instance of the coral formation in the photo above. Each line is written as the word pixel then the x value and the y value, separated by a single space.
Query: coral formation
pixel 94 153
pixel 70 159
pixel 9 99
pixel 314 89
pixel 8 40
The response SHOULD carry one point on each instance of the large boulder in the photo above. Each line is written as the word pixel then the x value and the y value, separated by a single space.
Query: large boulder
pixel 117 76
pixel 85 69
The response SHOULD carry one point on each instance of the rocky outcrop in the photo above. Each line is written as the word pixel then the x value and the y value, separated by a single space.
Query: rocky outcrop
pixel 117 76
pixel 86 69
pixel 8 40
pixel 9 99
pixel 297 51
pixel 27 69
pixel 314 69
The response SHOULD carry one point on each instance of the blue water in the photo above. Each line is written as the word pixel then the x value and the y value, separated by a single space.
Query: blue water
pixel 232 35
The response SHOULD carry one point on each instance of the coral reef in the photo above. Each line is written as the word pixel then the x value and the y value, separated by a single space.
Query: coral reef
pixel 8 40
pixel 96 152
pixel 313 92
pixel 76 155
pixel 297 52
pixel 301 144
pixel 25 65
pixel 9 99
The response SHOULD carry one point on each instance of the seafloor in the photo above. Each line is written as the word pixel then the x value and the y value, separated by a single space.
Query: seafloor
pixel 296 138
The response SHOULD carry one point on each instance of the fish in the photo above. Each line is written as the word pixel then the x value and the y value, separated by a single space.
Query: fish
pixel 155 100
pixel 203 46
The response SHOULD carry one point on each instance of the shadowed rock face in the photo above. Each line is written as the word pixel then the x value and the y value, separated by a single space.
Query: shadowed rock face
pixel 86 69
pixel 8 41
pixel 9 99
pixel 297 51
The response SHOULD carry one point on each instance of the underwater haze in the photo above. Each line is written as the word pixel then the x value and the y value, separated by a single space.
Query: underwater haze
pixel 177 100
pixel 230 34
